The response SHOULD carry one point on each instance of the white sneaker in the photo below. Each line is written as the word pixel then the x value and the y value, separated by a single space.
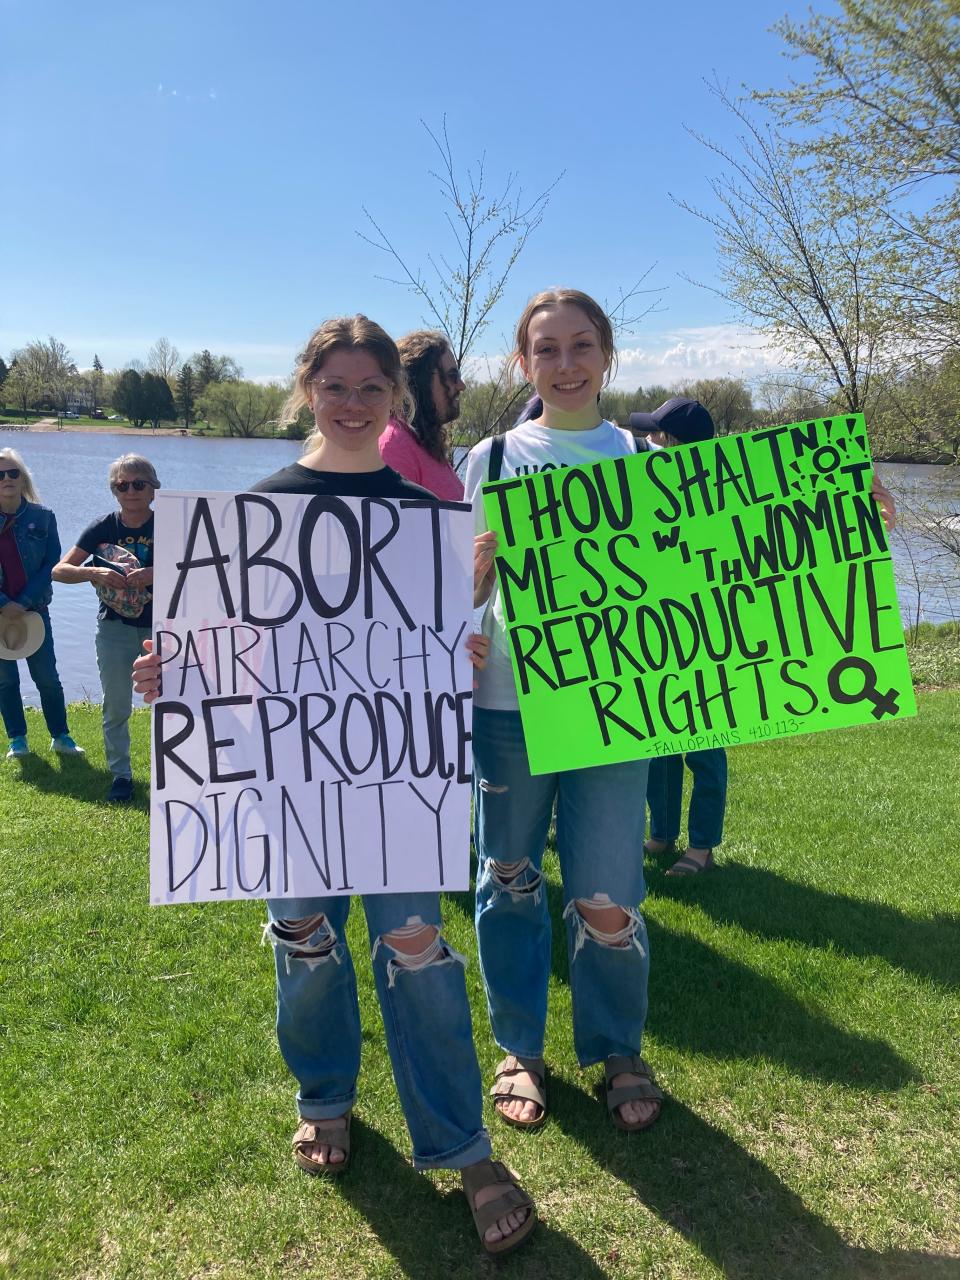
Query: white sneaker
pixel 64 745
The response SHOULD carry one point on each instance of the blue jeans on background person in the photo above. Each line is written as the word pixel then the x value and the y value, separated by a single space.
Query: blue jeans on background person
pixel 707 801
pixel 426 1018
pixel 117 646
pixel 42 666
pixel 600 844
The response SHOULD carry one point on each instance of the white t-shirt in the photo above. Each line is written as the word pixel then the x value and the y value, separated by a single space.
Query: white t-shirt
pixel 528 448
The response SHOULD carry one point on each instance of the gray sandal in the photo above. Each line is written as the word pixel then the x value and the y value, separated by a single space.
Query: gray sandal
pixel 491 1173
pixel 687 866
pixel 643 1090
pixel 506 1088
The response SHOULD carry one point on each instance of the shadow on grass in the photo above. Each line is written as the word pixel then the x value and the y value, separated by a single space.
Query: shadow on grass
pixel 74 777
pixel 430 1232
pixel 704 1002
pixel 726 1202
pixel 770 906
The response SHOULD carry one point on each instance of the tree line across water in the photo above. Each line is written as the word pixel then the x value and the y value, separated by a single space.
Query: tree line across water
pixel 42 378
pixel 919 421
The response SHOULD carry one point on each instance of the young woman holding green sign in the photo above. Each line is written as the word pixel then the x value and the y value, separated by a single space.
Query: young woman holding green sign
pixel 564 346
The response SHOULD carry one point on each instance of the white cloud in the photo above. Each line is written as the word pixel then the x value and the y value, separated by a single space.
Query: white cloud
pixel 677 355
pixel 710 351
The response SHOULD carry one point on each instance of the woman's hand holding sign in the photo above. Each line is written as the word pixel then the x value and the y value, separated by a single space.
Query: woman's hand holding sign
pixel 484 550
pixel 146 673
pixel 884 500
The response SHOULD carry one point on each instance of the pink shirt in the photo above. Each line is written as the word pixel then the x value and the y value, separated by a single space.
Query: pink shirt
pixel 401 450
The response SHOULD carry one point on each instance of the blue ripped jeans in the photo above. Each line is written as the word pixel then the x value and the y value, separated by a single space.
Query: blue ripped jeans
pixel 426 1018
pixel 600 822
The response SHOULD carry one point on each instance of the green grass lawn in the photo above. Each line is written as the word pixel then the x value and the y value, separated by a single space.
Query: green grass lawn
pixel 804 1019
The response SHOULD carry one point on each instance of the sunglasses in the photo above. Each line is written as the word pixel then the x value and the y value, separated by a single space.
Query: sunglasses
pixel 12 472
pixel 121 486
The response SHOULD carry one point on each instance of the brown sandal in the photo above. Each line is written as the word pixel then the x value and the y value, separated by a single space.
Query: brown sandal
pixel 490 1173
pixel 644 1089
pixel 311 1133
pixel 506 1088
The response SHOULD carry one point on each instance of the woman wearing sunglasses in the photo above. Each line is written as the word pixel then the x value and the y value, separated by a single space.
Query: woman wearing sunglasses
pixel 115 554
pixel 29 548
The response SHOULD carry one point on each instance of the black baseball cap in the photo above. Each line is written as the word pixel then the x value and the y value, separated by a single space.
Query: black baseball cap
pixel 685 419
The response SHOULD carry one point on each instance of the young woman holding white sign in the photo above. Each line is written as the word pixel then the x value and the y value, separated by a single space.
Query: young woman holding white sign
pixel 351 377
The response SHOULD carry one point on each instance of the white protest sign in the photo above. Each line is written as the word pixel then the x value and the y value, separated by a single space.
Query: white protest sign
pixel 313 733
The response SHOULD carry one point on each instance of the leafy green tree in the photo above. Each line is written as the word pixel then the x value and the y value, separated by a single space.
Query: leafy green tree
pixel 48 372
pixel 3 371
pixel 728 401
pixel 617 405
pixel 241 408
pixel 21 387
pixel 186 394
pixel 209 368
pixel 918 418
pixel 128 397
pixel 157 399
pixel 785 397
pixel 96 382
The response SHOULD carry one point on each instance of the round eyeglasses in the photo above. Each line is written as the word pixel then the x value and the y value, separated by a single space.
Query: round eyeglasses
pixel 371 393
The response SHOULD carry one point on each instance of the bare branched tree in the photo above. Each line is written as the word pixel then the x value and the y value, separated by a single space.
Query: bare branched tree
pixel 798 263
pixel 490 231
pixel 880 94
pixel 163 359
pixel 627 312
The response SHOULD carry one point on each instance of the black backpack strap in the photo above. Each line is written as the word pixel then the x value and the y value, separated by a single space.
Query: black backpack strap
pixel 496 459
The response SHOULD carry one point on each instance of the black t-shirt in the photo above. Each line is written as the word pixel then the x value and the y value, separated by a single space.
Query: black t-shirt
pixel 110 530
pixel 384 483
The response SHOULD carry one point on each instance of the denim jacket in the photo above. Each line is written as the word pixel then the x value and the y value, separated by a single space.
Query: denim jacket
pixel 35 533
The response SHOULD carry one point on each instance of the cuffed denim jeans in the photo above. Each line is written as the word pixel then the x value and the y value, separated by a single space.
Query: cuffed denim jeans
pixel 600 821
pixel 117 646
pixel 708 799
pixel 426 1018
pixel 42 666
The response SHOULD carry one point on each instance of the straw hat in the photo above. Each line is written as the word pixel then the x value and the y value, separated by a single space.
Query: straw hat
pixel 21 636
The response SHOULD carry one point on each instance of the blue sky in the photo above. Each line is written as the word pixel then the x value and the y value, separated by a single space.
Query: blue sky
pixel 198 170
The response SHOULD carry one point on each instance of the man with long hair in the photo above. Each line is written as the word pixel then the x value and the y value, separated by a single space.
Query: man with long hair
pixel 420 449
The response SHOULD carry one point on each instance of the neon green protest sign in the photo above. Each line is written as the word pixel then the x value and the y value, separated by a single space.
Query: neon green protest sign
pixel 706 595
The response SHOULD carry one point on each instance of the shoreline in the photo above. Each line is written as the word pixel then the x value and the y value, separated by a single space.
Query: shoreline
pixel 50 425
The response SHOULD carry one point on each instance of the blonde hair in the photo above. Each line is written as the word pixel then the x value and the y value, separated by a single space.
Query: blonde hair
pixel 551 298
pixel 136 465
pixel 28 488
pixel 357 333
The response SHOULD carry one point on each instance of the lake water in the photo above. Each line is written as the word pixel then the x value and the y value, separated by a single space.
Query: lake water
pixel 70 471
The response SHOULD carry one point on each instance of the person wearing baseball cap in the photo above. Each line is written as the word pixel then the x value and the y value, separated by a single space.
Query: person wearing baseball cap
pixel 683 421
pixel 677 421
